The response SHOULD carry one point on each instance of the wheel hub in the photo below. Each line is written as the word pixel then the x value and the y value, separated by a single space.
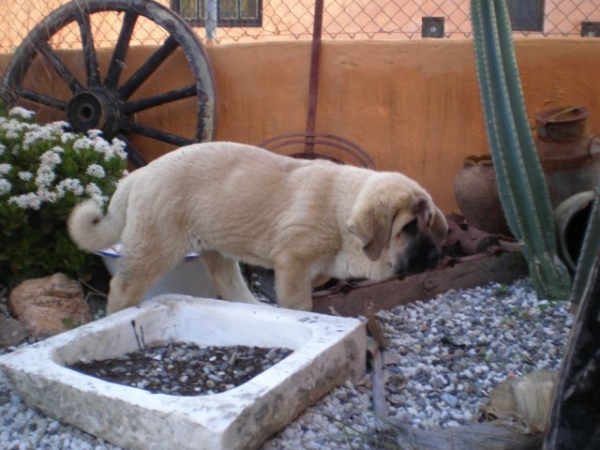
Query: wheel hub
pixel 94 109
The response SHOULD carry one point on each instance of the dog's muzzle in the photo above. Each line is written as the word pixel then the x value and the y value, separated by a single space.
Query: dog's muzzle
pixel 421 253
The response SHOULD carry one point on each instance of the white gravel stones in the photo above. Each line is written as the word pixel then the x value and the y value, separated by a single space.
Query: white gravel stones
pixel 443 358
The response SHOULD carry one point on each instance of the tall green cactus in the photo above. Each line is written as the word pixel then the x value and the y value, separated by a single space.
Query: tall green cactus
pixel 573 421
pixel 521 183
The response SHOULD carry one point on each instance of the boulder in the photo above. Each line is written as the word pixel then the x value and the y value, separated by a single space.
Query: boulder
pixel 50 305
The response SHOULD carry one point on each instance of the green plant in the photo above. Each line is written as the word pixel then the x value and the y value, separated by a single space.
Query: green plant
pixel 45 171
pixel 573 416
pixel 502 290
pixel 521 183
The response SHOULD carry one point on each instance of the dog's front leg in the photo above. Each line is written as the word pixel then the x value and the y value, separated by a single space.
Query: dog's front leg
pixel 293 287
pixel 227 278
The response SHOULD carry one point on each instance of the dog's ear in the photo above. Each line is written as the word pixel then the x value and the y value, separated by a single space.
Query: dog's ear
pixel 438 226
pixel 433 217
pixel 372 223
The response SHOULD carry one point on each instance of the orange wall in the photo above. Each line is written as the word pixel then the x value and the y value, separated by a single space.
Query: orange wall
pixel 412 105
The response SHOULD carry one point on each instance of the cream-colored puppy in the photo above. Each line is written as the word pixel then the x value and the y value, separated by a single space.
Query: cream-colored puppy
pixel 231 202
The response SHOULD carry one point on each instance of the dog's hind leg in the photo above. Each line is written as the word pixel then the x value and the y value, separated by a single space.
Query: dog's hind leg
pixel 227 278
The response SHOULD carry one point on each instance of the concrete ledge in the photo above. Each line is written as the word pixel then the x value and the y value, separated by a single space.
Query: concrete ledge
pixel 327 350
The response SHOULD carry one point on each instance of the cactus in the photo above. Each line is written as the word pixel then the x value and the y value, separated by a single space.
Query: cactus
pixel 519 175
pixel 573 421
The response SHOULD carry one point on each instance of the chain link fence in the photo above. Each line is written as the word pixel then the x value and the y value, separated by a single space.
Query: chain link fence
pixel 293 20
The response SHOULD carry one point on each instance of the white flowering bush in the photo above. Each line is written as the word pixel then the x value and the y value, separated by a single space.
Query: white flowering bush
pixel 45 170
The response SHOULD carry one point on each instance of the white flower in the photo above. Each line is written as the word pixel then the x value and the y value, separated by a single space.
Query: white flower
pixel 65 138
pixel 94 133
pixel 45 176
pixel 71 184
pixel 5 186
pixel 48 196
pixel 2 149
pixel 5 168
pixel 82 143
pixel 118 147
pixel 96 170
pixel 95 194
pixel 27 201
pixel 14 128
pixel 58 127
pixel 18 111
pixel 25 176
pixel 50 158
pixel 37 133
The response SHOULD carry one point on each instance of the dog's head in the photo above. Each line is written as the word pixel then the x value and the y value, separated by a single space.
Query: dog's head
pixel 398 225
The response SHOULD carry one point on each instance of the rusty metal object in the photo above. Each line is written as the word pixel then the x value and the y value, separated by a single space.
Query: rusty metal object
pixel 569 154
pixel 465 240
pixel 305 147
pixel 488 258
pixel 310 138
pixel 107 104
pixel 503 265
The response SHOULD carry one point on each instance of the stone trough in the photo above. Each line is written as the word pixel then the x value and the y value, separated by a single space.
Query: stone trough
pixel 326 351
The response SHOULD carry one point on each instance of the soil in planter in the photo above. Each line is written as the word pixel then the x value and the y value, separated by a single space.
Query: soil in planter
pixel 185 369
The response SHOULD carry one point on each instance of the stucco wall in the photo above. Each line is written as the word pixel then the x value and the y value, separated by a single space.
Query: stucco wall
pixel 413 105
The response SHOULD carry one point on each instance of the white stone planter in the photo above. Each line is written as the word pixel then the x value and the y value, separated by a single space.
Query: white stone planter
pixel 327 351
pixel 189 278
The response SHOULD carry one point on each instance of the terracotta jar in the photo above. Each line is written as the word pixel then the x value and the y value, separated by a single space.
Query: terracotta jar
pixel 571 219
pixel 476 193
pixel 568 153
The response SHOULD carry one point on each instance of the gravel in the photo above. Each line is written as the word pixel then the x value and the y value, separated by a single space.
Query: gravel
pixel 444 356
pixel 185 369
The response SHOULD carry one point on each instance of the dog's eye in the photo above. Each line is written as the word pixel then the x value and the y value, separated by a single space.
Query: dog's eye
pixel 411 227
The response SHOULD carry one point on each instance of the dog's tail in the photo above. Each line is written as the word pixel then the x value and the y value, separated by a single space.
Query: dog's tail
pixel 91 229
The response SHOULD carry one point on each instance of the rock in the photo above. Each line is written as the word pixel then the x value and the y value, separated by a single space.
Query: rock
pixel 12 332
pixel 450 400
pixel 50 305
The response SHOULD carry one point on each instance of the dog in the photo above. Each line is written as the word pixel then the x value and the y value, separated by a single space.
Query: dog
pixel 309 220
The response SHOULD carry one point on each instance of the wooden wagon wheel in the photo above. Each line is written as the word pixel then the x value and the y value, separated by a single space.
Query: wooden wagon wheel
pixel 92 88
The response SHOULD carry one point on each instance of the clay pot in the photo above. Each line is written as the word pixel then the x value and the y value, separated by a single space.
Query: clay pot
pixel 476 193
pixel 570 159
pixel 569 154
pixel 571 219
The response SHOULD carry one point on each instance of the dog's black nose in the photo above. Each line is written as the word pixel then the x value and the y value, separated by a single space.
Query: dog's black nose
pixel 420 255
pixel 433 256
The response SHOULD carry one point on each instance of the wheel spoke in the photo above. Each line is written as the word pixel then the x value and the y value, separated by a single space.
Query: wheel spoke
pixel 89 52
pixel 157 100
pixel 41 99
pixel 153 133
pixel 142 74
pixel 132 154
pixel 110 99
pixel 120 52
pixel 60 67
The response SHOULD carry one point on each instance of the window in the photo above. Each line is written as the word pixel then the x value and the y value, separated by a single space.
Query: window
pixel 229 13
pixel 526 15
